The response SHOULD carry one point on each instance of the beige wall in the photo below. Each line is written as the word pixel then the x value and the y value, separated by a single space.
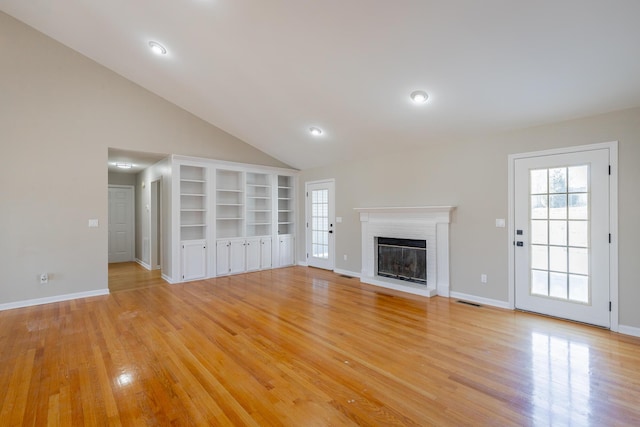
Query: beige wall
pixel 59 113
pixel 472 175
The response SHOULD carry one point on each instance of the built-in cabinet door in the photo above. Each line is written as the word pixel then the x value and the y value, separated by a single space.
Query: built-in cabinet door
pixel 194 260
pixel 222 257
pixel 265 252
pixel 253 254
pixel 237 257
pixel 285 250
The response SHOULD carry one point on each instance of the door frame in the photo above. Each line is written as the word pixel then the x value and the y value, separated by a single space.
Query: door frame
pixel 155 225
pixel 613 217
pixel 332 214
pixel 133 217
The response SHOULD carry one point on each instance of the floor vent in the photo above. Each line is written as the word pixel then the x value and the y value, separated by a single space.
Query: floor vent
pixel 473 304
pixel 346 277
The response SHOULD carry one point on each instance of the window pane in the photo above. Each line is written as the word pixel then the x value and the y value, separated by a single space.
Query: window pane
pixel 539 207
pixel 539 181
pixel 539 283
pixel 578 206
pixel 578 233
pixel 579 288
pixel 557 232
pixel 578 178
pixel 558 259
pixel 539 232
pixel 579 261
pixel 558 206
pixel 539 257
pixel 558 180
pixel 558 285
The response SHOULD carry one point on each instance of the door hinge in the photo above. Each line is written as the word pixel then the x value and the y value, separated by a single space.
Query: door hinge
pixel 609 237
pixel 307 194
pixel 609 169
pixel 609 305
pixel 307 255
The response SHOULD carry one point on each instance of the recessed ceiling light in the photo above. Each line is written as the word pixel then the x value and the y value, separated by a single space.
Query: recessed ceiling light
pixel 315 131
pixel 157 48
pixel 124 165
pixel 419 96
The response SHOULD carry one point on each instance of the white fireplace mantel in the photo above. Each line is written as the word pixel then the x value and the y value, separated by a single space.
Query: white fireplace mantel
pixel 430 223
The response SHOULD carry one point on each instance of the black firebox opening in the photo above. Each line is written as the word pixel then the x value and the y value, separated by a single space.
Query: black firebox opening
pixel 402 259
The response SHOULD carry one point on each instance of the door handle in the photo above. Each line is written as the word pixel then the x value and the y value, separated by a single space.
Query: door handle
pixel 330 231
pixel 519 243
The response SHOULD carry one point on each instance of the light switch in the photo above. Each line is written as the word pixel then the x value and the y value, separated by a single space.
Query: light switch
pixel 93 223
pixel 338 219
pixel 500 223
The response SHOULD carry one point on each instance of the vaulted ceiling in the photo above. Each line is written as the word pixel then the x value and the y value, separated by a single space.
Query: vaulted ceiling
pixel 268 71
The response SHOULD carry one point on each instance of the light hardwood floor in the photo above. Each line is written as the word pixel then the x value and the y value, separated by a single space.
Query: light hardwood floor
pixel 306 347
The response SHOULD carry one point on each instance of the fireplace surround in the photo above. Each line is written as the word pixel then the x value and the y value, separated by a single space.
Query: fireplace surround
pixel 428 223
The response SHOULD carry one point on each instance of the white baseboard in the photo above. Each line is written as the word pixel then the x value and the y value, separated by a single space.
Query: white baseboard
pixel 144 264
pixel 347 273
pixel 629 330
pixel 57 298
pixel 167 279
pixel 480 300
pixel 303 264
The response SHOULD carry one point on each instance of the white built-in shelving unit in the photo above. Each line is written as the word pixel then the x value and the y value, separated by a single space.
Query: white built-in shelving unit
pixel 231 218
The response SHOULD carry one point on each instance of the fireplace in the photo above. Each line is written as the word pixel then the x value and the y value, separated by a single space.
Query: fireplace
pixel 402 259
pixel 429 224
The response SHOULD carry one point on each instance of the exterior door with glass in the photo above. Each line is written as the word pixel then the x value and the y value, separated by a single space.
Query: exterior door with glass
pixel 561 245
pixel 320 220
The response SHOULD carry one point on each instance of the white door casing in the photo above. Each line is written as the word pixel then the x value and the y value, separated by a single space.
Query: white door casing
pixel 121 223
pixel 320 221
pixel 563 208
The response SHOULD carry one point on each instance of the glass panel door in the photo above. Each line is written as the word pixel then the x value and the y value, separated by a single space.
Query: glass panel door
pixel 561 230
pixel 320 220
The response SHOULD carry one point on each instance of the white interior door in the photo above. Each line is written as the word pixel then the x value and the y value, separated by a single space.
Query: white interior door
pixel 561 213
pixel 121 227
pixel 320 220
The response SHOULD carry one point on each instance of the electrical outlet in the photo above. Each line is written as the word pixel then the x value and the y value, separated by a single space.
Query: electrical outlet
pixel 483 278
pixel 44 278
pixel 345 257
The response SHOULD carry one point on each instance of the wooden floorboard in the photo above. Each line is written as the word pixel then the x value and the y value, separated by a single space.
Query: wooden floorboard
pixel 304 347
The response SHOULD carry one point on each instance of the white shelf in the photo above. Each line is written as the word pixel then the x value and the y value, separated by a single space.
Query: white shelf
pixel 193 192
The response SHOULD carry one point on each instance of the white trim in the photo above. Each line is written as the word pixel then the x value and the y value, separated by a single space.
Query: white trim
pixel 347 273
pixel 57 298
pixel 481 300
pixel 198 161
pixel 613 218
pixel 303 264
pixel 167 279
pixel 143 264
pixel 629 330
pixel 411 209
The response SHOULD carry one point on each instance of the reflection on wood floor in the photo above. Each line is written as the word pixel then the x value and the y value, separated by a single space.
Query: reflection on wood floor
pixel 131 275
pixel 300 346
